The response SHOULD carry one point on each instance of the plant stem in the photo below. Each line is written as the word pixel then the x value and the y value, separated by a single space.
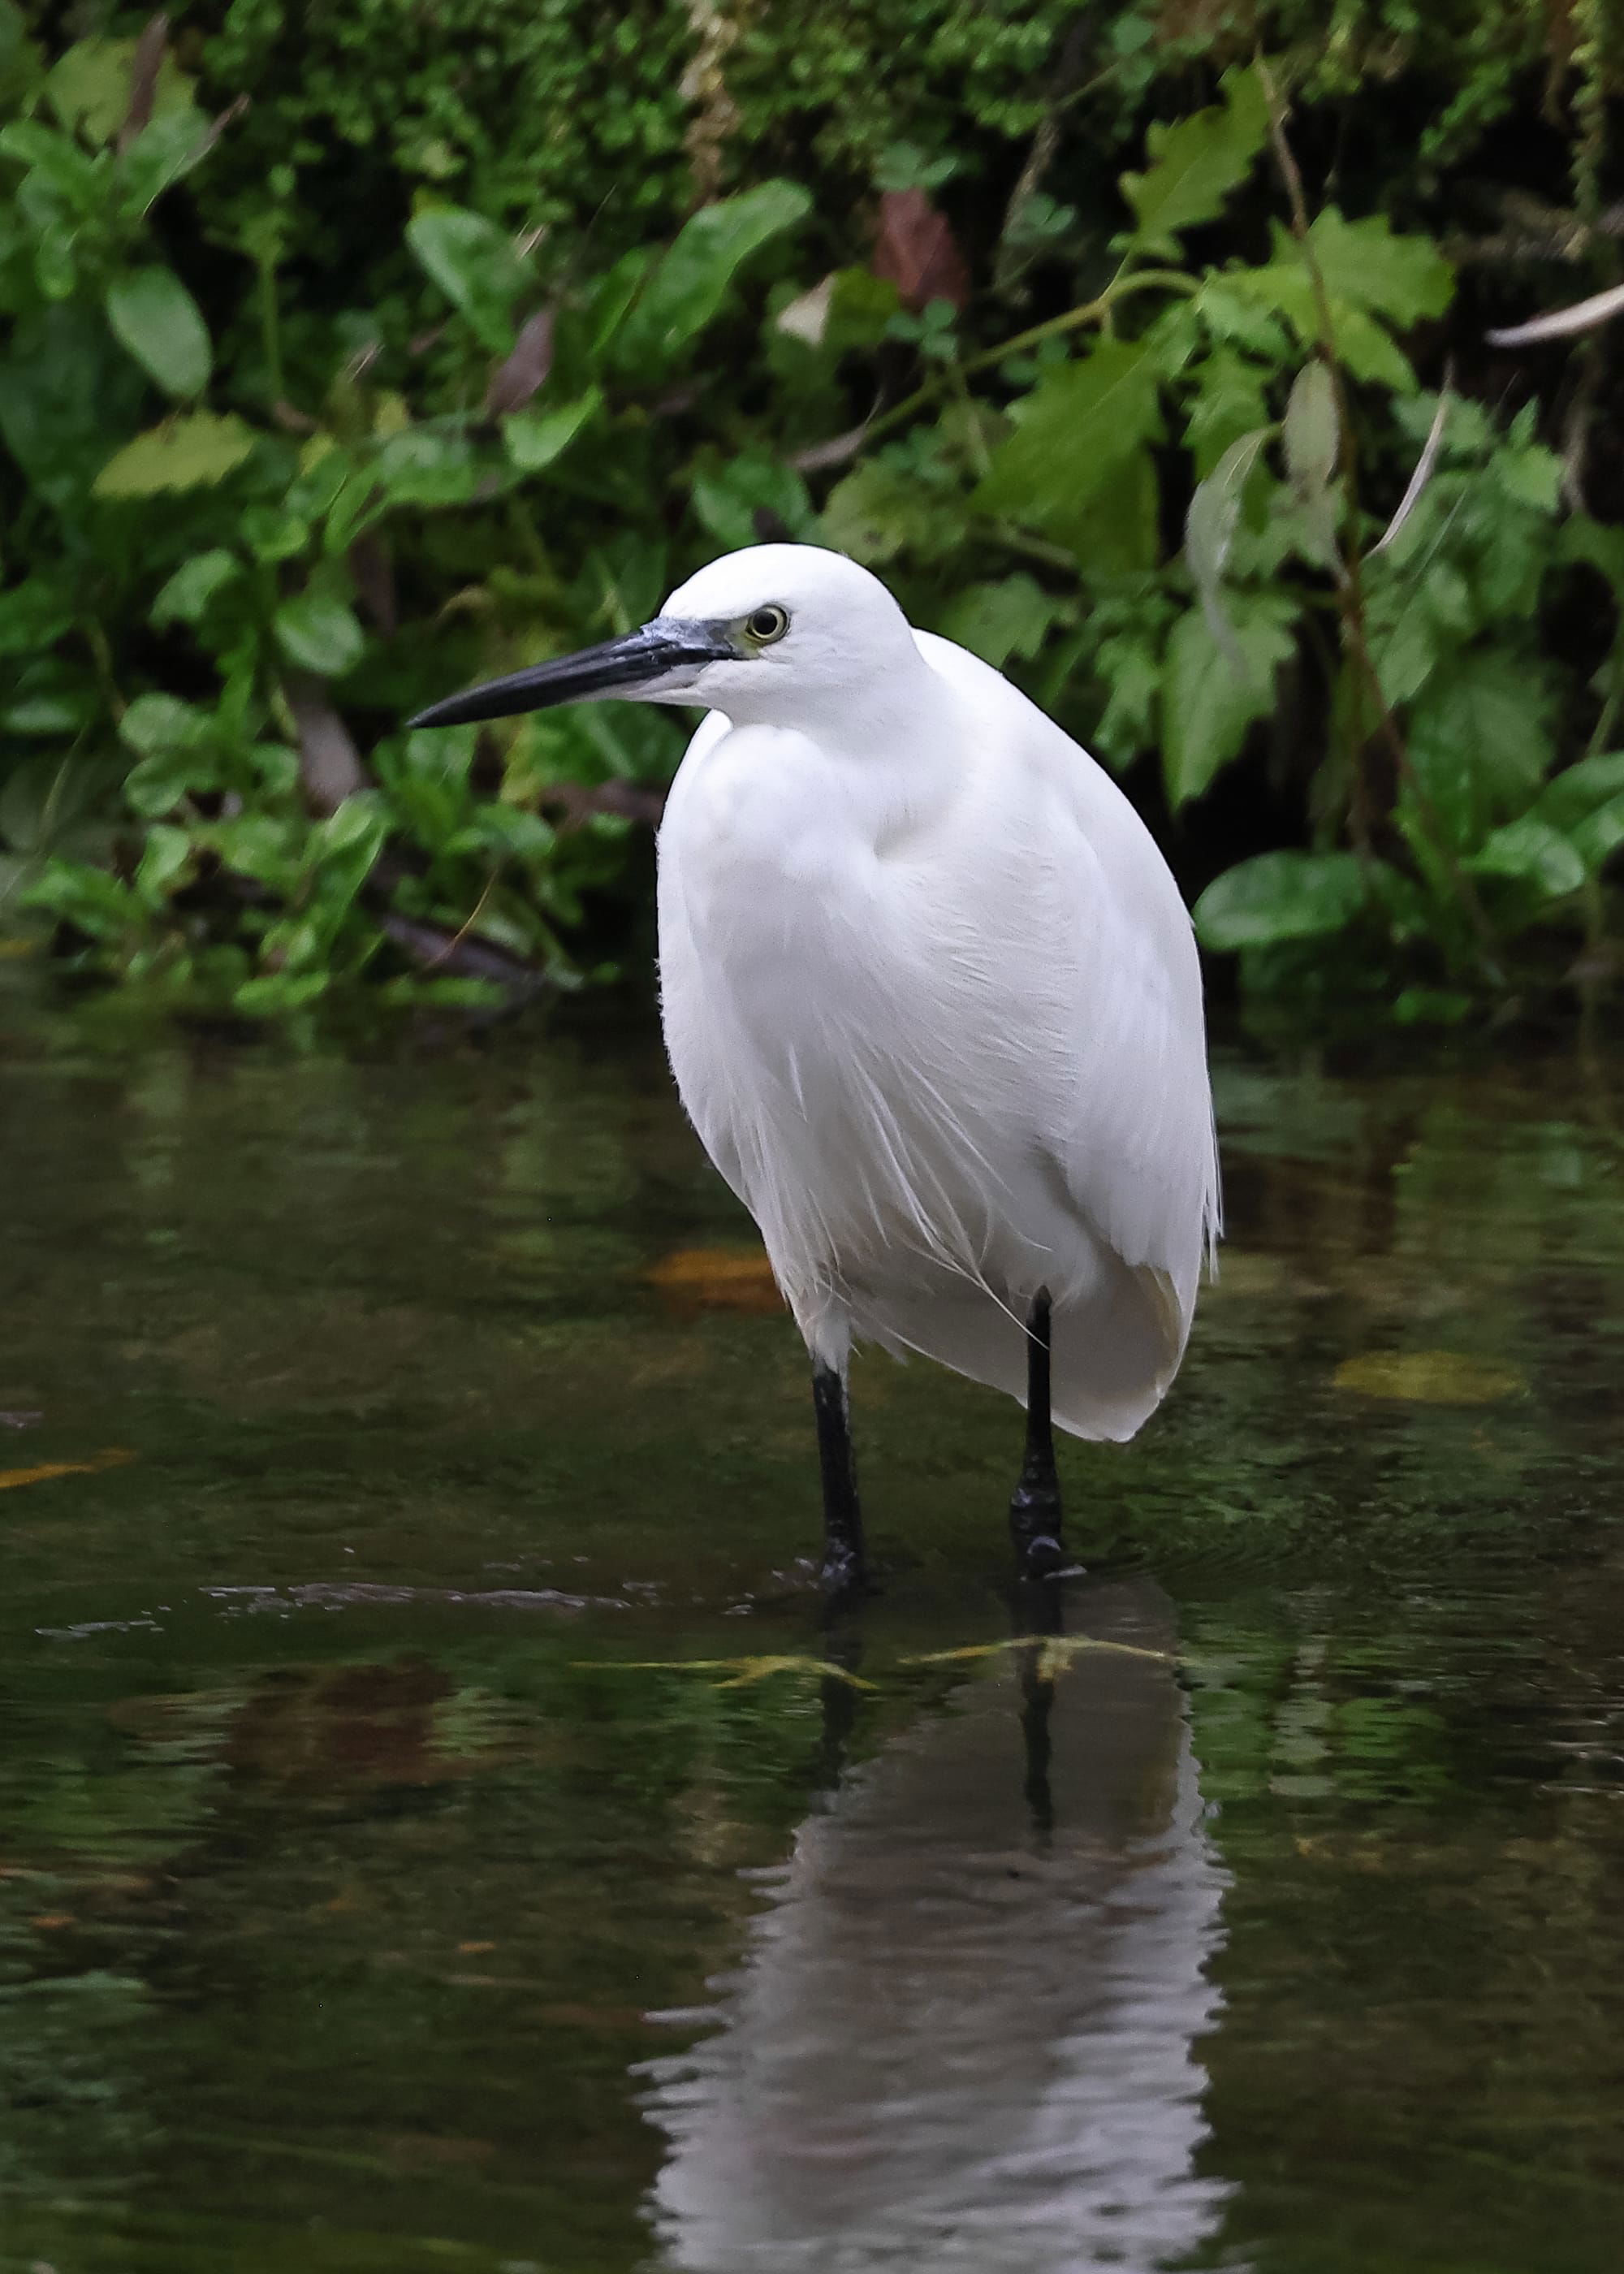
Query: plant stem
pixel 1091 312
pixel 1351 592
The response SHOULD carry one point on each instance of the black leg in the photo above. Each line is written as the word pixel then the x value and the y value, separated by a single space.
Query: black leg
pixel 1034 1512
pixel 844 1568
pixel 1039 1609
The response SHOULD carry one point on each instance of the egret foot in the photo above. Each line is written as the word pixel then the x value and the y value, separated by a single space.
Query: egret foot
pixel 844 1570
pixel 1035 1508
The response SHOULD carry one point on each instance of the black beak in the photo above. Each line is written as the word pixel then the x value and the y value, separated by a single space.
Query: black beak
pixel 616 666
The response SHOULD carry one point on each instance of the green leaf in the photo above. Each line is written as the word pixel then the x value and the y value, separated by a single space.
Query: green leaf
pixel 165 150
pixel 98 904
pixel 165 859
pixel 185 452
pixel 1195 163
pixel 1207 705
pixel 475 265
pixel 686 291
pixel 1311 431
pixel 1076 427
pixel 185 599
pixel 1209 533
pixel 162 722
pixel 1230 403
pixel 1534 852
pixel 535 438
pixel 1012 617
pixel 89 87
pixel 1400 278
pixel 879 511
pixel 1480 741
pixel 34 616
pixel 156 318
pixel 1279 896
pixel 1368 274
pixel 1586 805
pixel 727 501
pixel 319 634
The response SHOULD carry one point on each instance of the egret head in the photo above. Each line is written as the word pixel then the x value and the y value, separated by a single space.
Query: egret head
pixel 771 635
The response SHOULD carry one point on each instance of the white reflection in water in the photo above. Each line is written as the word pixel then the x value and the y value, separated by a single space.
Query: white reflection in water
pixel 960 2039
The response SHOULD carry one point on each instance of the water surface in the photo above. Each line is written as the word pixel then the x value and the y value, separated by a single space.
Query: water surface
pixel 437 1828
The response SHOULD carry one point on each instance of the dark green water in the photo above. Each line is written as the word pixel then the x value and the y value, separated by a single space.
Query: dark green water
pixel 387 1884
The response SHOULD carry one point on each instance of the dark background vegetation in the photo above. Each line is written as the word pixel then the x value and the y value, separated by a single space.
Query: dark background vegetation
pixel 351 353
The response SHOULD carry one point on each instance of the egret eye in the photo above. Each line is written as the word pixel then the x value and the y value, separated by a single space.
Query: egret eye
pixel 767 624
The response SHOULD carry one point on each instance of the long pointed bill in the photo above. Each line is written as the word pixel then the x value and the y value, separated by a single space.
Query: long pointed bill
pixel 633 666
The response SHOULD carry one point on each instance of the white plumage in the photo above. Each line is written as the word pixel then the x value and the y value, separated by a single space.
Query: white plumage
pixel 932 1000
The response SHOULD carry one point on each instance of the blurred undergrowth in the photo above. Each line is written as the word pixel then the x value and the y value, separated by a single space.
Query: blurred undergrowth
pixel 348 355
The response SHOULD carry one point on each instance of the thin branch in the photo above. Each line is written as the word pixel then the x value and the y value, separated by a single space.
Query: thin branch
pixel 1563 323
pixel 1425 465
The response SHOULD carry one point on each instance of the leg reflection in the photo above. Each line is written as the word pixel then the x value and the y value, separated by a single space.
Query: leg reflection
pixel 963 2035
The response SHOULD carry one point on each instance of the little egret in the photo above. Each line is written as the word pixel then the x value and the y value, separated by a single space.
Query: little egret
pixel 933 1004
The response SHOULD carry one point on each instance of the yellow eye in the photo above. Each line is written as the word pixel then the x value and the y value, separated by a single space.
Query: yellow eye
pixel 766 625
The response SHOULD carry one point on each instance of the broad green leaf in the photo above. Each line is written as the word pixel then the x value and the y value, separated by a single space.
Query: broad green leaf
pixel 185 452
pixel 157 784
pixel 1078 425
pixel 1586 805
pixel 152 314
pixel 165 150
pixel 1279 896
pixel 1207 705
pixel 165 859
pixel 89 87
pixel 475 265
pixel 34 615
pixel 88 897
pixel 996 620
pixel 1310 430
pixel 880 511
pixel 1534 852
pixel 1400 278
pixel 56 160
pixel 186 597
pixel 1196 162
pixel 536 437
pixel 1121 536
pixel 686 290
pixel 319 634
pixel 1230 403
pixel 162 722
pixel 20 58
pixel 1368 274
pixel 1480 741
pixel 1209 533
pixel 727 501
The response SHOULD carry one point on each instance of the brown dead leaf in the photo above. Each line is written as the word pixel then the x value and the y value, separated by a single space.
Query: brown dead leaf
pixel 50 1922
pixel 1429 1378
pixel 521 372
pixel 116 1456
pixel 474 1949
pixel 916 251
pixel 330 768
pixel 149 62
pixel 716 1279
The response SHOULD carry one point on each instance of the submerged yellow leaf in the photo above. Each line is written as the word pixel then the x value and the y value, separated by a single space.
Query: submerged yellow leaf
pixel 116 1456
pixel 716 1279
pixel 1429 1377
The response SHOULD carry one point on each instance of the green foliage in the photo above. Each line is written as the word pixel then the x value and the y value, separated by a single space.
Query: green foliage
pixel 313 409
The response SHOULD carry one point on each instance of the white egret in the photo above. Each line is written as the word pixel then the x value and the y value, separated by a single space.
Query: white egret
pixel 932 1001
